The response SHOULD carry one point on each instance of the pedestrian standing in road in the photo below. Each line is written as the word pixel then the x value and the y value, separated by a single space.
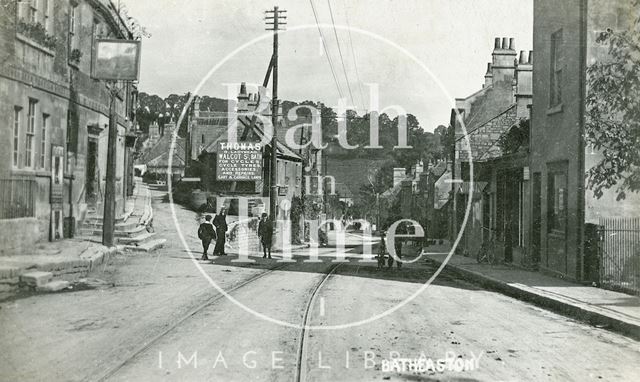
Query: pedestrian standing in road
pixel 265 233
pixel 206 233
pixel 220 222
pixel 382 252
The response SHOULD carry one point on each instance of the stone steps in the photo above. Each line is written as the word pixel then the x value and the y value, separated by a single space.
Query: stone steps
pixel 117 233
pixel 148 246
pixel 122 226
pixel 137 240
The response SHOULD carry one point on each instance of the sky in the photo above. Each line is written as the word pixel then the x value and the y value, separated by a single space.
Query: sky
pixel 452 39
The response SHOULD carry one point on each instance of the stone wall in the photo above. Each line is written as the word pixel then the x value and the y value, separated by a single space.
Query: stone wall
pixel 17 236
pixel 244 233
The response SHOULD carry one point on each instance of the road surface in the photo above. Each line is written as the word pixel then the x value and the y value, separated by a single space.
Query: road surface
pixel 156 317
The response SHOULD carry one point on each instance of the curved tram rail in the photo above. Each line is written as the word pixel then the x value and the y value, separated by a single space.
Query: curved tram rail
pixel 300 370
pixel 303 332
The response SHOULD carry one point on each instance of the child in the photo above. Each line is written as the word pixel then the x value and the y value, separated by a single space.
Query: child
pixel 206 233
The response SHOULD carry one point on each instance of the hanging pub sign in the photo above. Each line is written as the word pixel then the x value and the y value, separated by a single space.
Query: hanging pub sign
pixel 240 161
pixel 116 60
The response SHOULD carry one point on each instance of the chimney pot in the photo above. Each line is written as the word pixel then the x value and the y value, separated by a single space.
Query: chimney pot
pixel 530 60
pixel 488 68
pixel 497 43
pixel 512 43
pixel 505 42
pixel 243 88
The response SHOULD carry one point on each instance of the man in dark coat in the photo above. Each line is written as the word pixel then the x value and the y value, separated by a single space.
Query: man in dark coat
pixel 206 233
pixel 265 233
pixel 220 222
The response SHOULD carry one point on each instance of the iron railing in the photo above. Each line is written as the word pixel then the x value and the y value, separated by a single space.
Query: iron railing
pixel 619 254
pixel 17 198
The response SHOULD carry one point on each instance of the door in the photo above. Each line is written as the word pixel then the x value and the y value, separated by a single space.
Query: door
pixel 91 179
pixel 536 217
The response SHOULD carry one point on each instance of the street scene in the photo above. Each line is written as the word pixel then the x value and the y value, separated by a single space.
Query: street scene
pixel 331 190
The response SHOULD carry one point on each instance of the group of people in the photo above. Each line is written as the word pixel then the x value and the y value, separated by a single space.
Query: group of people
pixel 385 258
pixel 215 229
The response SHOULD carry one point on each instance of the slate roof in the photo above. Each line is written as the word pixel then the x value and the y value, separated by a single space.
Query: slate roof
pixel 158 155
pixel 483 137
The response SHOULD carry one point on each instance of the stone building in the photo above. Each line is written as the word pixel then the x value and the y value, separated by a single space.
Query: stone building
pixel 208 129
pixel 566 216
pixel 497 198
pixel 54 146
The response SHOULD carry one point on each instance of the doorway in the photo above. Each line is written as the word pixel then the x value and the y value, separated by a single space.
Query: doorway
pixel 92 185
pixel 536 218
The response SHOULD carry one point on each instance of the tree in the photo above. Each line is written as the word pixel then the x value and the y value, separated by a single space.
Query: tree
pixel 613 113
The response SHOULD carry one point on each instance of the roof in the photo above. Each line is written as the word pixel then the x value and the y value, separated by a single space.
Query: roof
pixel 158 155
pixel 483 137
pixel 221 135
pixel 488 114
pixel 442 188
pixel 438 169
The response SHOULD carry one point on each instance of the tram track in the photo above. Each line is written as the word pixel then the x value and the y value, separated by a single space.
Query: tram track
pixel 301 351
pixel 184 318
pixel 300 370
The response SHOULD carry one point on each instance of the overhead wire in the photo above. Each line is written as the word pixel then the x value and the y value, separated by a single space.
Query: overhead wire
pixel 344 69
pixel 353 54
pixel 326 51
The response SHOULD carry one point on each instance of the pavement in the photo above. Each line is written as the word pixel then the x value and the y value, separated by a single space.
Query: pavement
pixel 600 307
pixel 156 317
pixel 68 259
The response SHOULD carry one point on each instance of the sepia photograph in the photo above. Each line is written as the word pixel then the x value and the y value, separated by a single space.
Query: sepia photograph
pixel 320 190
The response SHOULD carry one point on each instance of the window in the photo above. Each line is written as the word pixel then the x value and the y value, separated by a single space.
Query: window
pixel 557 201
pixel 45 15
pixel 72 19
pixel 555 83
pixel 43 141
pixel 73 24
pixel 17 111
pixel 30 133
pixel 33 11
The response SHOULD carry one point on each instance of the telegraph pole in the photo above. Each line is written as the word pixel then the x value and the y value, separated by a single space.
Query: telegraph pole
pixel 274 19
pixel 109 214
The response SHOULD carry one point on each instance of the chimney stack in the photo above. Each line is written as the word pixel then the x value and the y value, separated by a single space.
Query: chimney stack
pixel 503 62
pixel 523 57
pixel 523 91
pixel 196 107
pixel 243 99
pixel 488 77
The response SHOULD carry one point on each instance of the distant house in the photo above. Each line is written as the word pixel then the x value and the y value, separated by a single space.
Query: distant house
pixel 208 129
pixel 495 193
pixel 566 216
pixel 156 159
